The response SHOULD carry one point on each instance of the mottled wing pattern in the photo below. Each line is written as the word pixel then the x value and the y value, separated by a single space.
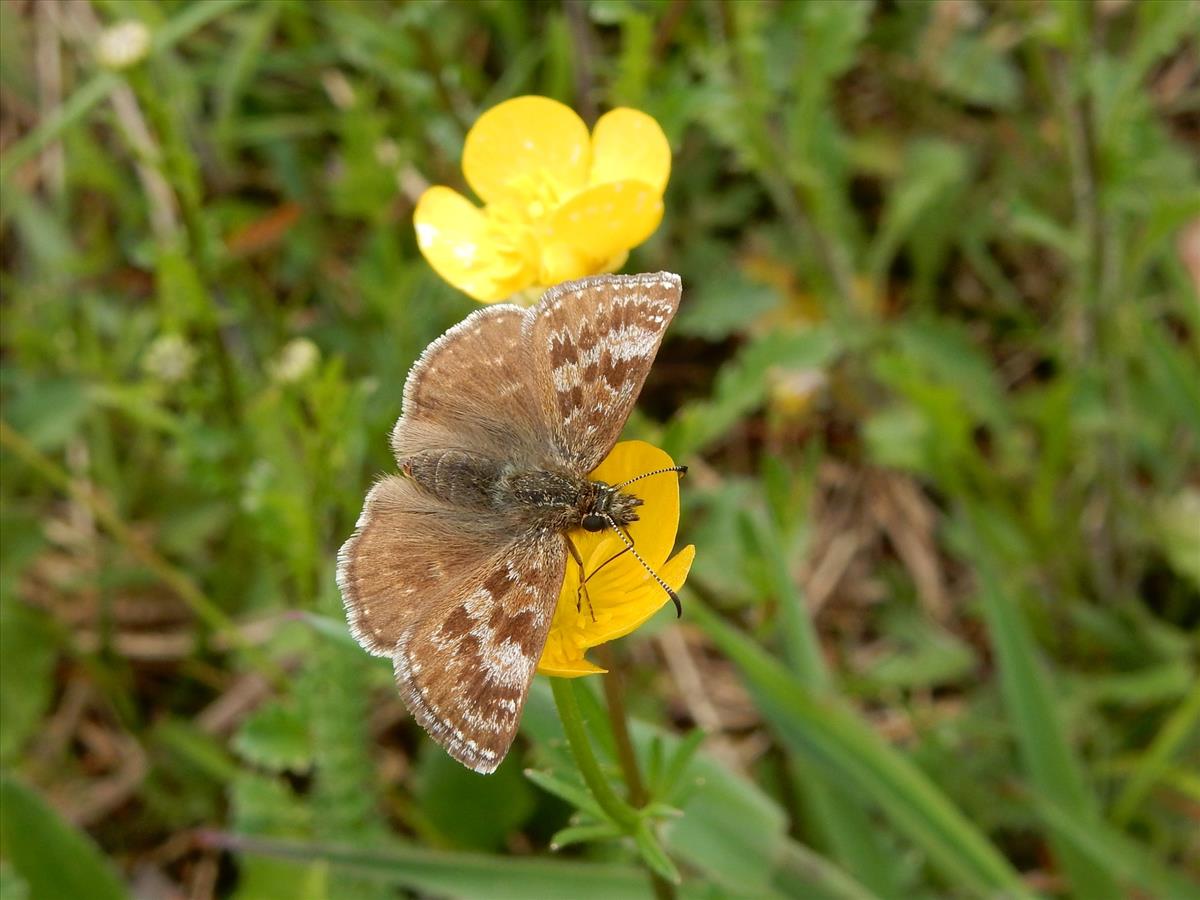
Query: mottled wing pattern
pixel 593 342
pixel 407 550
pixel 463 612
pixel 472 389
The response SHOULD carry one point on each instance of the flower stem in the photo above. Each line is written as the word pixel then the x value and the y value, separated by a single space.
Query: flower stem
pixel 615 698
pixel 581 749
pixel 572 720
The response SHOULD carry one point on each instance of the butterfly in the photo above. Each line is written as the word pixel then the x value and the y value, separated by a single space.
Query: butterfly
pixel 456 564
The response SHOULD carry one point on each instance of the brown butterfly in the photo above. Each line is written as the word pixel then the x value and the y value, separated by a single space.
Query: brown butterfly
pixel 455 568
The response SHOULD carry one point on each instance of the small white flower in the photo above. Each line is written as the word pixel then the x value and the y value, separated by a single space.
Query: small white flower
pixel 123 45
pixel 169 358
pixel 295 361
pixel 256 485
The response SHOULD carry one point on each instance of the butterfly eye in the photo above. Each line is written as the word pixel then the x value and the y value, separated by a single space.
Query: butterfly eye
pixel 593 522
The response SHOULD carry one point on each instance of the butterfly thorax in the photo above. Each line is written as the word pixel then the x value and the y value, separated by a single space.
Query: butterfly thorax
pixel 552 498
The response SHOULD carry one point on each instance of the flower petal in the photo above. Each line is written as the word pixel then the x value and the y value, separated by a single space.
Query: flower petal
pixel 621 594
pixel 608 218
pixel 639 603
pixel 628 145
pixel 563 262
pixel 562 666
pixel 454 236
pixel 654 532
pixel 526 136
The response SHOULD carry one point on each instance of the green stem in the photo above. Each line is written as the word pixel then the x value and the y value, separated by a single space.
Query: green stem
pixel 1157 757
pixel 581 749
pixel 621 812
pixel 614 697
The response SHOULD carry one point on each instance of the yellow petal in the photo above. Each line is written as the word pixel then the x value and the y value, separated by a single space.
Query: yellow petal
pixel 562 666
pixel 621 594
pixel 454 236
pixel 607 219
pixel 636 604
pixel 658 517
pixel 628 145
pixel 562 262
pixel 526 136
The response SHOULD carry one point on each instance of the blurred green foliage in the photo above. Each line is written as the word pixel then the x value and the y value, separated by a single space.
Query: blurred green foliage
pixel 937 375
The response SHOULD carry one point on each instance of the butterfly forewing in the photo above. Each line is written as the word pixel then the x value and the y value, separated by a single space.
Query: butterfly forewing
pixel 408 556
pixel 594 341
pixel 472 389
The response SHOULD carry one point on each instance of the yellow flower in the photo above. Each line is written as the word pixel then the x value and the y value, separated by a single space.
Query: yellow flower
pixel 623 594
pixel 558 203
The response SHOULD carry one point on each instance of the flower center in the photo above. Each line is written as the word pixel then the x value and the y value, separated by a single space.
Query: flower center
pixel 518 220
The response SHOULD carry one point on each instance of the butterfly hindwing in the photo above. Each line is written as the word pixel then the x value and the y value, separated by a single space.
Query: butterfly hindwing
pixel 593 342
pixel 408 552
pixel 462 612
pixel 464 670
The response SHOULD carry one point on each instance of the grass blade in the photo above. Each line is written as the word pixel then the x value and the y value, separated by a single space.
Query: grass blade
pixel 1026 689
pixel 824 733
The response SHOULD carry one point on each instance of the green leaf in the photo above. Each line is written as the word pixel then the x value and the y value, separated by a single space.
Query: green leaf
pixel 446 789
pixel 824 733
pixel 1178 534
pixel 580 834
pixel 678 765
pixel 741 385
pixel 840 819
pixel 54 859
pixel 1156 760
pixel 27 655
pixel 265 805
pixel 920 654
pixel 48 413
pixel 12 885
pixel 724 305
pixel 653 855
pixel 467 875
pixel 974 70
pixel 182 297
pixel 1109 851
pixel 575 794
pixel 932 170
pixel 1031 703
pixel 275 737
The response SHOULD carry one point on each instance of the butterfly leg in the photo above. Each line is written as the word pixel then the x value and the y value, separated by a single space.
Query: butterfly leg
pixel 612 558
pixel 581 593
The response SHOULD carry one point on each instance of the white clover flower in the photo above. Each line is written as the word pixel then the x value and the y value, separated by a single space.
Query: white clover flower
pixel 295 361
pixel 123 45
pixel 169 358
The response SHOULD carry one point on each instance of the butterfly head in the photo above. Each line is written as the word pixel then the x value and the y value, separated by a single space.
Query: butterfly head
pixel 604 505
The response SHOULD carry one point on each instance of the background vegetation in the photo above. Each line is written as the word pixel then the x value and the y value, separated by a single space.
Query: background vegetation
pixel 936 375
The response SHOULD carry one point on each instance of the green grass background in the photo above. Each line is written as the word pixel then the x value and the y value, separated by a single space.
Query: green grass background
pixel 936 374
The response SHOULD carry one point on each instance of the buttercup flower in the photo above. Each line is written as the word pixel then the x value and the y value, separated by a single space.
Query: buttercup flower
pixel 558 203
pixel 622 594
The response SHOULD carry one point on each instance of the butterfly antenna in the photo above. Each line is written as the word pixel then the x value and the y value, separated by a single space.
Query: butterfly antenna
pixel 682 470
pixel 645 565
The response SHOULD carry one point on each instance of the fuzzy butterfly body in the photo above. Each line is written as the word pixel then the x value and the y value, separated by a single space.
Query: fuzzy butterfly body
pixel 456 565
